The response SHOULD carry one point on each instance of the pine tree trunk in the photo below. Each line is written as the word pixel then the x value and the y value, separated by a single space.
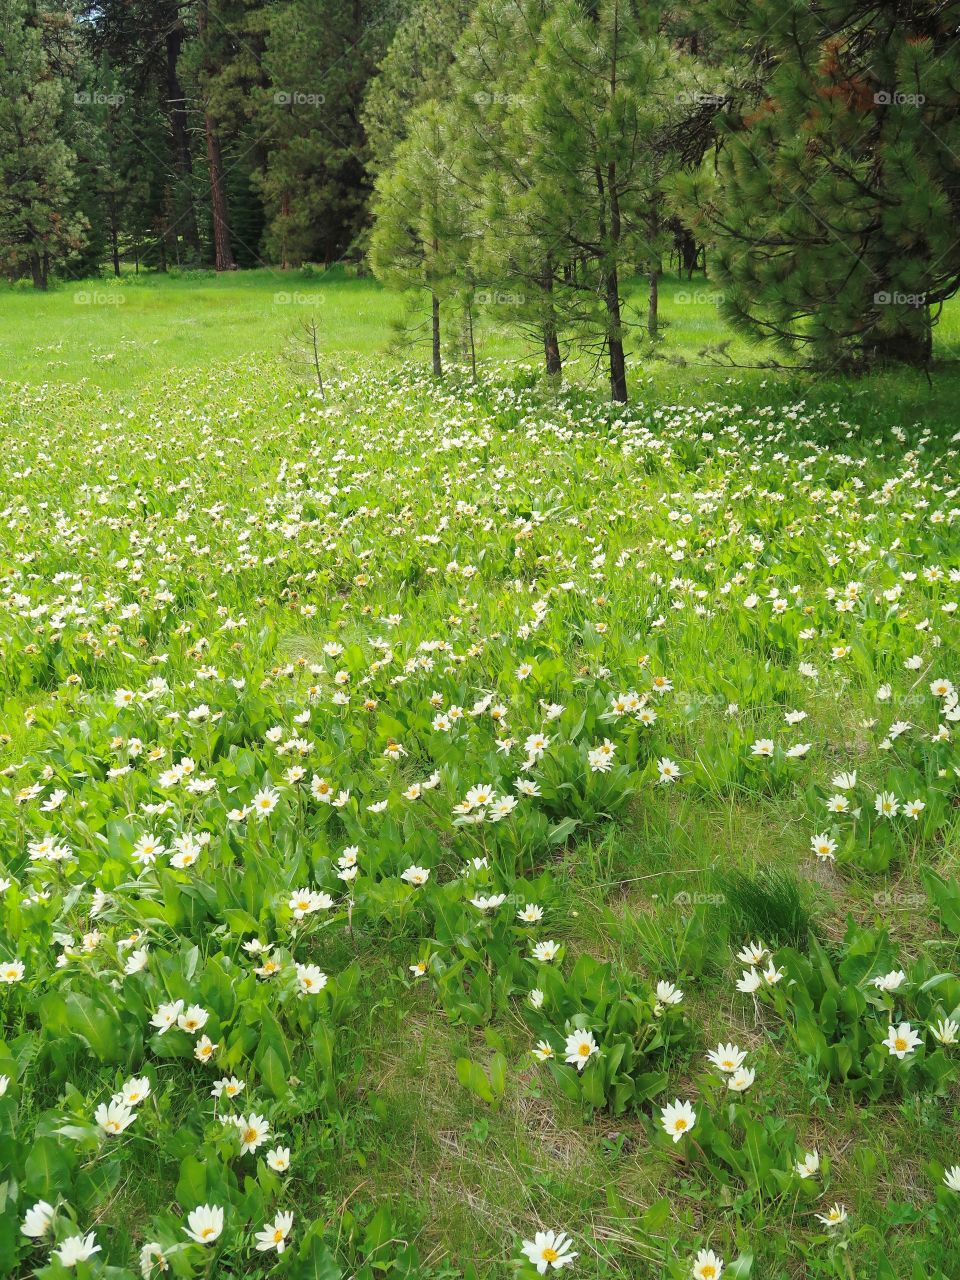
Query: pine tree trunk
pixel 115 248
pixel 223 249
pixel 219 207
pixel 653 303
pixel 38 271
pixel 688 253
pixel 473 342
pixel 284 215
pixel 435 320
pixel 618 363
pixel 908 346
pixel 176 108
pixel 551 350
pixel 551 341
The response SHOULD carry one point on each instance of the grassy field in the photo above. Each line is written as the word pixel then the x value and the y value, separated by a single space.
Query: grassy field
pixel 120 335
pixel 411 793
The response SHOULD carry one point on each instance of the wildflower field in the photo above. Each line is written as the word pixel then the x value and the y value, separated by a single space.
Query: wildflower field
pixel 470 829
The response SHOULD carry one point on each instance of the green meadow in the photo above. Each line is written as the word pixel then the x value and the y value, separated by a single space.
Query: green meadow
pixel 453 812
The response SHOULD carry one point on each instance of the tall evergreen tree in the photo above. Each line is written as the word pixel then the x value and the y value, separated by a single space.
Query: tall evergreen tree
pixel 836 194
pixel 210 42
pixel 226 64
pixel 515 256
pixel 594 105
pixel 40 221
pixel 415 69
pixel 144 40
pixel 314 182
pixel 418 239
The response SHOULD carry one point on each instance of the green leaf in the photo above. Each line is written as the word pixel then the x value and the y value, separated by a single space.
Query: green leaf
pixel 94 1025
pixel 315 1262
pixel 473 1077
pixel 380 1231
pixel 562 830
pixel 95 1184
pixel 48 1170
pixel 498 1074
pixel 192 1183
pixel 272 1072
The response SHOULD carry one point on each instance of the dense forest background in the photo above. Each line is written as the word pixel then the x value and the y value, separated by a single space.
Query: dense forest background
pixel 516 155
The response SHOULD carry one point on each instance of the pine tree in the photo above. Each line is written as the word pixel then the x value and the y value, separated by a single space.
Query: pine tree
pixel 314 181
pixel 593 114
pixel 418 240
pixel 836 195
pixel 40 222
pixel 226 64
pixel 415 69
pixel 144 41
pixel 514 255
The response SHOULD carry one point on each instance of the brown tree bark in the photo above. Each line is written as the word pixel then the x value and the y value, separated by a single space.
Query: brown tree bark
pixel 177 111
pixel 551 340
pixel 653 302
pixel 219 208
pixel 223 249
pixel 435 326
pixel 618 362
pixel 38 270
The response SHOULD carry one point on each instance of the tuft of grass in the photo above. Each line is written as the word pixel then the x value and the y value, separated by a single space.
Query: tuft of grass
pixel 768 904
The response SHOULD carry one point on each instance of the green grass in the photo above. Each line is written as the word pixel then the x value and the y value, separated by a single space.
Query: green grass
pixel 188 322
pixel 170 474
pixel 123 334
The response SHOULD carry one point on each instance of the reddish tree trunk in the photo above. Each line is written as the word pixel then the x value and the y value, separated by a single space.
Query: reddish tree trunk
pixel 223 249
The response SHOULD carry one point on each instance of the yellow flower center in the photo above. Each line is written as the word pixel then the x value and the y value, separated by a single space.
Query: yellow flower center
pixel 250 1135
pixel 277 1236
pixel 583 1050
pixel 207 1232
pixel 900 1043
pixel 708 1272
pixel 680 1123
pixel 549 1255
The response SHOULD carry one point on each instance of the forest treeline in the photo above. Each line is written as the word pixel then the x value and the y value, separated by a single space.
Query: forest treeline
pixel 515 157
